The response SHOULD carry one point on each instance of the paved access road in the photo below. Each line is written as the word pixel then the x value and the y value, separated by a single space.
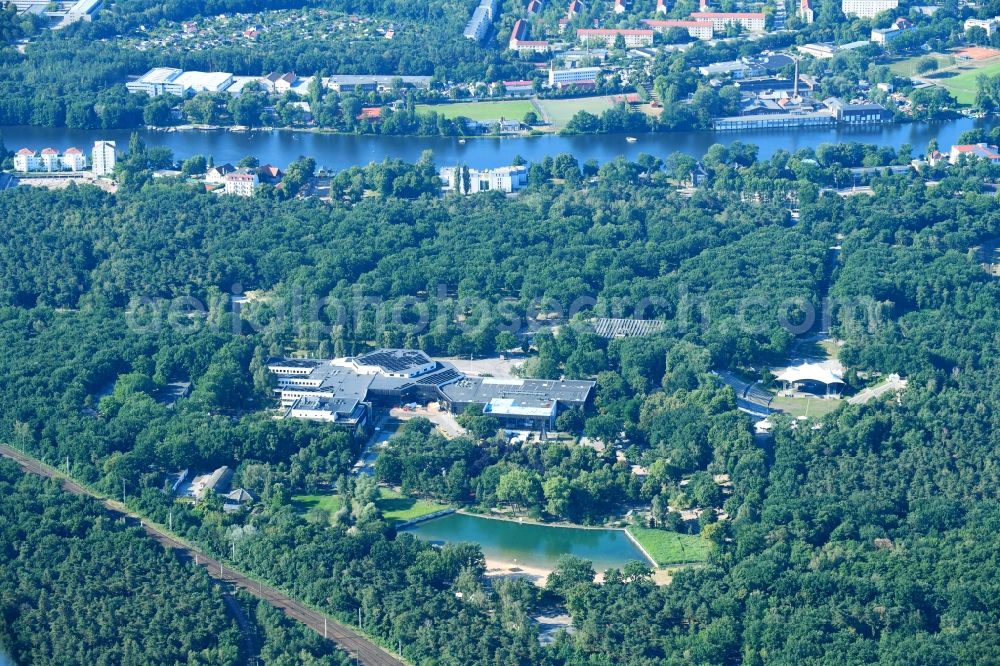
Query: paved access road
pixel 349 640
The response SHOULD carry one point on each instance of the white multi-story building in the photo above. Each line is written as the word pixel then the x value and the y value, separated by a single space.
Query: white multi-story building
pixel 503 179
pixel 989 25
pixel 242 182
pixel 27 160
pixel 49 160
pixel 478 25
pixel 73 159
pixel 607 36
pixel 566 77
pixel 703 30
pixel 749 21
pixel 867 8
pixel 519 39
pixel 883 36
pixel 103 158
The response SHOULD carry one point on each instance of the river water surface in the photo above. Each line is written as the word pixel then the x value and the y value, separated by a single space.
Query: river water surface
pixel 339 151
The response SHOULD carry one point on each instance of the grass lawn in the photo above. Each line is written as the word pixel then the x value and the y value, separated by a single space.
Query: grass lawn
pixel 305 503
pixel 513 109
pixel 396 507
pixel 908 66
pixel 963 84
pixel 671 547
pixel 814 407
pixel 561 110
pixel 831 348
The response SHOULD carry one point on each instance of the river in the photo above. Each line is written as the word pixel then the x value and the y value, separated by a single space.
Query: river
pixel 5 659
pixel 339 151
pixel 532 545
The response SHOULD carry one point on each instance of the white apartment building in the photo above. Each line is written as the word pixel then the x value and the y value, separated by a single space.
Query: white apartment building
pixel 242 182
pixel 27 160
pixel 703 30
pixel 867 8
pixel 73 159
pixel 565 77
pixel 989 25
pixel 607 36
pixel 49 160
pixel 749 21
pixel 103 158
pixel 504 179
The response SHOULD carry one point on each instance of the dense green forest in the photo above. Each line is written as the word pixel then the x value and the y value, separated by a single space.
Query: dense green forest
pixel 78 587
pixel 869 538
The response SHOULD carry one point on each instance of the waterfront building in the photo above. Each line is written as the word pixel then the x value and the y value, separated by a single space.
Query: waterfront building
pixel 103 158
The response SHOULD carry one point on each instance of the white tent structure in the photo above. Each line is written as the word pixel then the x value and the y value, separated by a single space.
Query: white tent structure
pixel 796 375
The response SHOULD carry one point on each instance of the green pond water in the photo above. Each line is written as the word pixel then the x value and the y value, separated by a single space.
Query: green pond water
pixel 532 545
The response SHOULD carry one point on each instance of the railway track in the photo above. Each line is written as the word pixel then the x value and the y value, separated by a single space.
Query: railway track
pixel 359 647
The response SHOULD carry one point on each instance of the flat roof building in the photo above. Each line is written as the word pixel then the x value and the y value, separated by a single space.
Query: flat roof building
pixel 343 390
pixel 559 78
pixel 157 81
pixel 519 403
pixel 172 81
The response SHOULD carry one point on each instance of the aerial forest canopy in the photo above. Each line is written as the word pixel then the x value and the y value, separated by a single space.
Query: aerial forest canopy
pixel 872 538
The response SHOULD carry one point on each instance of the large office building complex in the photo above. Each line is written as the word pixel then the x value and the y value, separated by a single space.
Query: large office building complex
pixel 168 80
pixel 344 390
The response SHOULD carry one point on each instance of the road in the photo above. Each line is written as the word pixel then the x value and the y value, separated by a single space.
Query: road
pixel 892 383
pixel 349 640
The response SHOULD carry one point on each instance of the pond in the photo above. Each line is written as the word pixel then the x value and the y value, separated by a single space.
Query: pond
pixel 532 545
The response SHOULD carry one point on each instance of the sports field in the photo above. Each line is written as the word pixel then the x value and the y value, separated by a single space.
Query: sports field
pixel 957 76
pixel 961 81
pixel 908 66
pixel 561 110
pixel 512 109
